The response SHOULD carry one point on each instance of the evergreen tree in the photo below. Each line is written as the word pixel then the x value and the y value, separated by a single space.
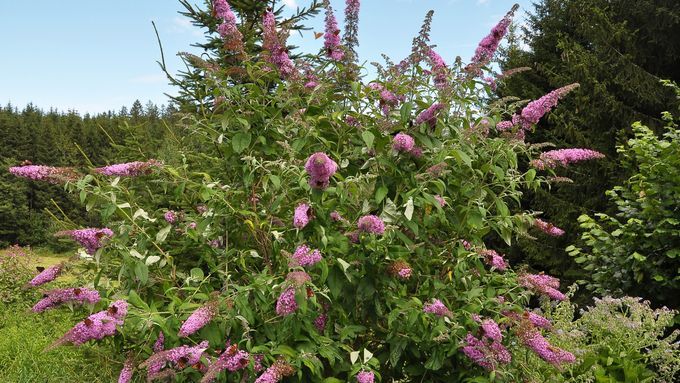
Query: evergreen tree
pixel 618 51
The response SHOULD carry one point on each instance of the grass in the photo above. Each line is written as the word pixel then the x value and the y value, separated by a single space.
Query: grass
pixel 25 335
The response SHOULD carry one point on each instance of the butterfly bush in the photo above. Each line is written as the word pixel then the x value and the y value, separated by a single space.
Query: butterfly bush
pixel 389 190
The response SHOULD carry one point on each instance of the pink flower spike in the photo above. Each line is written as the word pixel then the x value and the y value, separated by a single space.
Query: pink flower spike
pixel 304 256
pixel 57 297
pixel 92 239
pixel 332 35
pixel 198 319
pixel 129 169
pixel 403 142
pixel 365 377
pixel 127 371
pixel 320 168
pixel 371 224
pixel 47 275
pixel 429 115
pixel 542 284
pixel 437 308
pixel 302 216
pixel 233 39
pixel 53 175
pixel 96 326
pixel 548 228
pixel 489 44
pixel 564 157
pixel 286 304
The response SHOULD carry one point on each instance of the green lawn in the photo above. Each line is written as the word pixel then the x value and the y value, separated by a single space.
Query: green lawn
pixel 25 335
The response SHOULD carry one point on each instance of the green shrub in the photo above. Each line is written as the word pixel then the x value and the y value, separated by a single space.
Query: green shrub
pixel 638 250
pixel 616 340
pixel 15 272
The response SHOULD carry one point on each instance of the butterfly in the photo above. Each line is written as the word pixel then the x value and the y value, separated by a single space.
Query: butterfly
pixel 88 322
pixel 112 310
pixel 40 269
pixel 317 35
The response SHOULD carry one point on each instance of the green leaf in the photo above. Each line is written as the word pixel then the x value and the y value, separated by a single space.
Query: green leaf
pixel 152 259
pixel 380 194
pixel 368 138
pixel 197 274
pixel 163 233
pixel 136 301
pixel 142 272
pixel 462 157
pixel 408 212
pixel 241 141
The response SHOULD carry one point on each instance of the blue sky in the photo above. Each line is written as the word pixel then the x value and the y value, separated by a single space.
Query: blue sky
pixel 94 56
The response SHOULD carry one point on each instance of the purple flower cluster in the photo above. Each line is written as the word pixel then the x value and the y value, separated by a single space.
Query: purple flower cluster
pixel 304 256
pixel 233 39
pixel 486 352
pixel 170 216
pixel 536 109
pixel 332 35
pixel 231 360
pixel 320 169
pixel 429 115
pixel 178 357
pixel 126 373
pixel 402 142
pixel 543 284
pixel 198 319
pixel 276 372
pixel 405 273
pixel 336 217
pixel 371 224
pixel 487 47
pixel 491 330
pixel 47 275
pixel 504 125
pixel 57 297
pixel 54 175
pixel 437 308
pixel 90 238
pixel 285 304
pixel 302 215
pixel 96 326
pixel 537 320
pixel 563 157
pixel 439 68
pixel 277 53
pixel 320 322
pixel 365 377
pixel 495 260
pixel 129 169
pixel 551 354
pixel 548 228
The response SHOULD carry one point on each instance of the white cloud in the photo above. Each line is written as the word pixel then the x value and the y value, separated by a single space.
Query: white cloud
pixel 290 3
pixel 480 2
pixel 183 25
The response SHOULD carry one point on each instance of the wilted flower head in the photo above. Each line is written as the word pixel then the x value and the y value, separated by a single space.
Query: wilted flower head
pixel 320 169
pixel 96 326
pixel 302 215
pixel 402 142
pixel 543 284
pixel 47 275
pixel 400 269
pixel 54 175
pixel 336 217
pixel 198 319
pixel 286 304
pixel 129 169
pixel 298 278
pixel 548 228
pixel 440 200
pixel 365 377
pixel 304 256
pixel 57 297
pixel 371 224
pixel 351 26
pixel 90 238
pixel 320 321
pixel 436 307
pixel 563 157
